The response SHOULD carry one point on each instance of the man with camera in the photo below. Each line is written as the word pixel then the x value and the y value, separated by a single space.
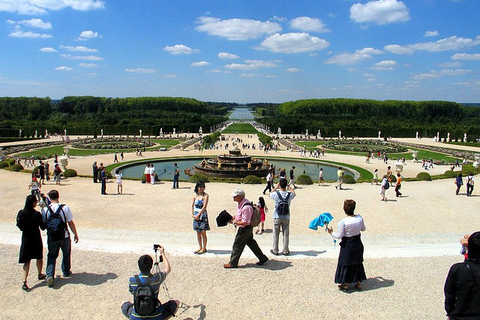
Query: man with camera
pixel 145 287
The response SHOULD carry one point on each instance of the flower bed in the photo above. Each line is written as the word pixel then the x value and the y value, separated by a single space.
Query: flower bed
pixel 113 143
pixel 365 146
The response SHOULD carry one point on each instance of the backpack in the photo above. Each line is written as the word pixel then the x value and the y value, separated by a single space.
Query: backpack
pixel 387 185
pixel 256 215
pixel 144 299
pixel 283 209
pixel 56 226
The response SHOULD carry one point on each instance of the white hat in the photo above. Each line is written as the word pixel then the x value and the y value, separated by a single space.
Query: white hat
pixel 238 192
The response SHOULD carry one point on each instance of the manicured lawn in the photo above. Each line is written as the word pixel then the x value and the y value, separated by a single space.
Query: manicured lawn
pixel 240 127
pixel 50 151
pixel 311 145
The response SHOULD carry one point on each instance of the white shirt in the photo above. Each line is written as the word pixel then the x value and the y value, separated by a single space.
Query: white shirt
pixel 66 214
pixel 350 226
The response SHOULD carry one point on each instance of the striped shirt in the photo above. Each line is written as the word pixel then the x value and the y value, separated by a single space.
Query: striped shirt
pixel 155 283
pixel 350 226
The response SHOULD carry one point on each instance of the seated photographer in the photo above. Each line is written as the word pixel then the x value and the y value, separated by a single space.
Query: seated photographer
pixel 145 287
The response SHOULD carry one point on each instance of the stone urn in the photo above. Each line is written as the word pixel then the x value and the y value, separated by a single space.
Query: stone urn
pixel 64 161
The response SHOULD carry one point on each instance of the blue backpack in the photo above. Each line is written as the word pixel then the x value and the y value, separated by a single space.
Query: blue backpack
pixel 56 226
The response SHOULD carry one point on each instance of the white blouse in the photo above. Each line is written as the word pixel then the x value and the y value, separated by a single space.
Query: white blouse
pixel 350 226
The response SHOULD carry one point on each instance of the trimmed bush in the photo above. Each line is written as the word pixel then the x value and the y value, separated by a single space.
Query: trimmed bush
pixel 304 179
pixel 424 176
pixel 347 179
pixel 16 167
pixel 69 173
pixel 10 161
pixel 251 179
pixel 194 178
pixel 3 164
pixel 450 174
pixel 393 178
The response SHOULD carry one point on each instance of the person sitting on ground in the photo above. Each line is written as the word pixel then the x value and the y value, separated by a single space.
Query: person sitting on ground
pixel 162 311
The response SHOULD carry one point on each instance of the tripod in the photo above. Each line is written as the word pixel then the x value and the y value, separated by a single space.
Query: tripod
pixel 157 269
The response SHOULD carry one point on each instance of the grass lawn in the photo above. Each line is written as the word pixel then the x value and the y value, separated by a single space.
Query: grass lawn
pixel 50 151
pixel 240 127
pixel 311 145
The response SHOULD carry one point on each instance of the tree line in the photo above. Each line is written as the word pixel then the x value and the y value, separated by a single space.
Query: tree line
pixel 364 118
pixel 88 115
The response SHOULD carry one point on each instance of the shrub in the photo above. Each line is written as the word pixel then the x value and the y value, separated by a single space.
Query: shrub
pixel 304 179
pixel 251 179
pixel 393 178
pixel 450 174
pixel 194 178
pixel 3 164
pixel 16 167
pixel 424 176
pixel 69 173
pixel 10 162
pixel 348 179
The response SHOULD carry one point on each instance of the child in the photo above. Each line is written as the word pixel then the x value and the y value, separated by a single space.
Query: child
pixel 119 175
pixel 263 208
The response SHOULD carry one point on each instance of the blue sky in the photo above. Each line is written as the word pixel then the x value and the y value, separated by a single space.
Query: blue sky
pixel 242 51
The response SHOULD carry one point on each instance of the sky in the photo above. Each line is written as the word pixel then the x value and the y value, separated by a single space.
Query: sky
pixel 242 51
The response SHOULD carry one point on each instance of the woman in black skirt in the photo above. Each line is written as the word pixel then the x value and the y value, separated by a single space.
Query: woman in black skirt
pixel 350 261
pixel 29 220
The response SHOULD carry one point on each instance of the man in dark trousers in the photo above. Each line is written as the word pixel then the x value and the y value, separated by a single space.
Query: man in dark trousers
pixel 95 172
pixel 103 180
pixel 244 235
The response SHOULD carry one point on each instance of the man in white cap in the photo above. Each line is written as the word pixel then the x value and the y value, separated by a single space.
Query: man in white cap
pixel 245 231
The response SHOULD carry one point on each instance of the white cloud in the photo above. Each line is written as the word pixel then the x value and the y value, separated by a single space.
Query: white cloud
pixel 140 70
pixel 380 12
pixel 33 7
pixel 353 58
pixel 227 56
pixel 88 65
pixel 29 34
pixel 90 58
pixel 47 50
pixel 252 65
pixel 78 49
pixel 293 70
pixel 293 43
pixel 398 49
pixel 237 29
pixel 249 75
pixel 446 44
pixel 63 68
pixel 88 34
pixel 466 56
pixel 180 49
pixel 308 24
pixel 34 23
pixel 451 64
pixel 431 34
pixel 200 64
pixel 438 74
pixel 385 65
pixel 369 77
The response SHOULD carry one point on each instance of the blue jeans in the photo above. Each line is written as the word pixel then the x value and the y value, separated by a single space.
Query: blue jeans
pixel 53 250
pixel 175 181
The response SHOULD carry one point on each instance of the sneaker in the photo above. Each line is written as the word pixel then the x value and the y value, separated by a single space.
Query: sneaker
pixel 229 266
pixel 50 281
pixel 41 276
pixel 67 275
pixel 262 262
pixel 286 253
pixel 273 252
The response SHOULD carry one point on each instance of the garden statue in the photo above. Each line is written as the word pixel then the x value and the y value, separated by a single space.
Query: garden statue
pixel 140 132
pixel 200 131
pixel 379 134
pixel 46 133
pixel 465 137
pixel 36 135
pixel 306 133
pixel 279 131
pixel 399 166
pixel 340 134
pixel 174 130
pixel 416 135
pixel 415 156
pixel 101 132
pixel 438 136
pixel 448 137
pixel 319 134
pixel 64 161
pixel 19 133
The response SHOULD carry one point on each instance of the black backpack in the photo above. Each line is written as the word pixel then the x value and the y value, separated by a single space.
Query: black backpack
pixel 56 226
pixel 283 209
pixel 144 298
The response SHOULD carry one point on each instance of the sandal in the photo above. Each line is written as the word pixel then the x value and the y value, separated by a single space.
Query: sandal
pixel 256 232
pixel 197 251
pixel 41 276
pixel 343 286
pixel 202 251
pixel 358 286
pixel 24 286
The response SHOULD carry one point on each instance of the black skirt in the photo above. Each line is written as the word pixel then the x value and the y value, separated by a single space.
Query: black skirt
pixel 32 246
pixel 350 261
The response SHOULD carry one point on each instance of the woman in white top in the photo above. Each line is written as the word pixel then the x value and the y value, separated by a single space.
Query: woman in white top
pixel 350 260
pixel 119 176
pixel 383 187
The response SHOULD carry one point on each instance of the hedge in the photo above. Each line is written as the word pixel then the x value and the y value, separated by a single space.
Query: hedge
pixel 69 173
pixel 424 176
pixel 16 167
pixel 196 177
pixel 251 179
pixel 304 179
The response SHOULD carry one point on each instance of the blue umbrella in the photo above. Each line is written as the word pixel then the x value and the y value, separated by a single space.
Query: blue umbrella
pixel 322 220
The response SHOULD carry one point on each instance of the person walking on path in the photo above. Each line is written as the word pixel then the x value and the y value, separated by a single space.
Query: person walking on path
pixel 263 209
pixel 320 177
pixel 281 216
pixel 176 176
pixel 350 260
pixel 58 228
pixel 95 172
pixel 29 221
pixel 57 171
pixel 470 184
pixel 244 236
pixel 292 177
pixel 340 176
pixel 375 177
pixel 269 182
pixel 146 172
pixel 458 182
pixel 383 187
pixel 118 176
pixel 200 216
pixel 462 286
pixel 103 180
pixel 152 173
pixel 398 185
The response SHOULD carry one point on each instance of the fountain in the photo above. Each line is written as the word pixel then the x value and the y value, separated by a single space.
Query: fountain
pixel 233 165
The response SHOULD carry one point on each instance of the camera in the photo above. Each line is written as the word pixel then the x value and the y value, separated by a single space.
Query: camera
pixel 155 248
